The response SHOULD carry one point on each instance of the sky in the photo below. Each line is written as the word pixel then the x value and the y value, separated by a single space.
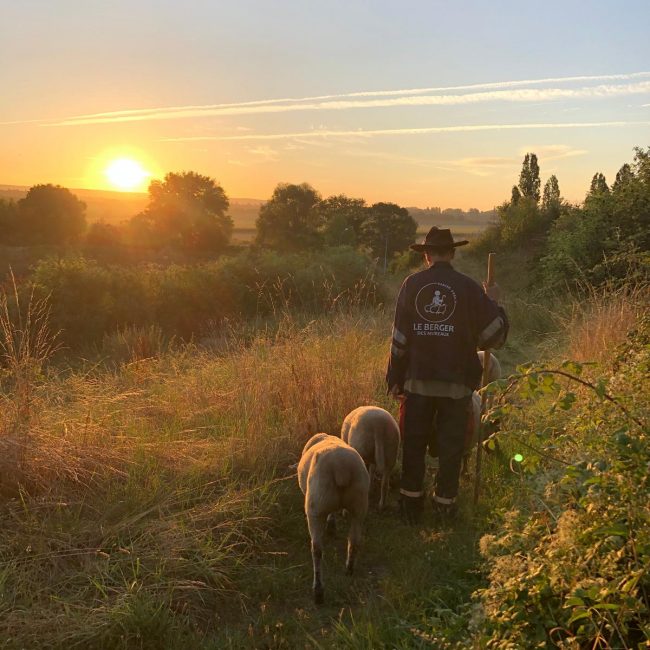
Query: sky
pixel 422 103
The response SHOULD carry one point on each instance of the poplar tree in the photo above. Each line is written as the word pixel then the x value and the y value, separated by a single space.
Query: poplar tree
pixel 598 185
pixel 529 182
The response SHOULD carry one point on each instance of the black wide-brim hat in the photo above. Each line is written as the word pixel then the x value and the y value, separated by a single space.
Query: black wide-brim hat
pixel 438 238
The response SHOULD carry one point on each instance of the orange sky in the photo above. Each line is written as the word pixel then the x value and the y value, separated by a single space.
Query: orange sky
pixel 253 95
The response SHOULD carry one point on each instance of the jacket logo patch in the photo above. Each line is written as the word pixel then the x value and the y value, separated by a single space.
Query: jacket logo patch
pixel 435 302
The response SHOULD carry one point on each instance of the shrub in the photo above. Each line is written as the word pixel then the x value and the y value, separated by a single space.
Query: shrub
pixel 90 301
pixel 569 566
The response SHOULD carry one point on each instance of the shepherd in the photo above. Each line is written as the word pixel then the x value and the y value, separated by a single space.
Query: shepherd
pixel 434 366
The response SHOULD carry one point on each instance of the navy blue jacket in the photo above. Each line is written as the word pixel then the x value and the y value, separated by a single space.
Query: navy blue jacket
pixel 441 318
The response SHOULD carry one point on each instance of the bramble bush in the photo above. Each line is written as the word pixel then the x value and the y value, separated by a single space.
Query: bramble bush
pixel 569 566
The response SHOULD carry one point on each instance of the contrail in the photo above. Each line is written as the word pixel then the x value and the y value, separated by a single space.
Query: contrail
pixel 400 97
pixel 407 131
pixel 369 93
pixel 521 95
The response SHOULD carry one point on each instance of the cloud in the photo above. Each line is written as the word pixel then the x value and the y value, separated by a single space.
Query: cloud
pixel 553 151
pixel 306 136
pixel 266 153
pixel 492 161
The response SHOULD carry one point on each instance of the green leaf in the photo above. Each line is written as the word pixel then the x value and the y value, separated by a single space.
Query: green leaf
pixel 572 367
pixel 567 401
pixel 619 529
pixel 601 388
pixel 580 614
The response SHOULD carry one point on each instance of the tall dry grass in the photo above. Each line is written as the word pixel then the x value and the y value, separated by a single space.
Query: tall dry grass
pixel 146 490
pixel 597 322
pixel 26 344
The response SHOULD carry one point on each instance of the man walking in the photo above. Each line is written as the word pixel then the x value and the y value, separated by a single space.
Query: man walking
pixel 441 318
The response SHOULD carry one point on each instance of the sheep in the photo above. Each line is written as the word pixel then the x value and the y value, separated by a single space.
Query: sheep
pixel 471 434
pixel 332 476
pixel 494 371
pixel 373 432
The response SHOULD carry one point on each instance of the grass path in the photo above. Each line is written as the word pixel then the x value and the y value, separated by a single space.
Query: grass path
pixel 411 588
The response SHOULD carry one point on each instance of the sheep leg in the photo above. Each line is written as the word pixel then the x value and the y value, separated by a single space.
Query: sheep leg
pixel 385 485
pixel 371 473
pixel 354 541
pixel 317 525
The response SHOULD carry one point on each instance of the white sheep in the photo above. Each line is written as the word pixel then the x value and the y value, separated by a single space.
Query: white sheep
pixel 373 432
pixel 333 477
pixel 494 371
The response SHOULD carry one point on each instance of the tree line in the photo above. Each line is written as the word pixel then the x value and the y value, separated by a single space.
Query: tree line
pixel 607 236
pixel 188 211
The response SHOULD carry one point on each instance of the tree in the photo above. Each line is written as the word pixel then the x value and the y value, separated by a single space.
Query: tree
pixel 624 176
pixel 341 219
pixel 288 221
pixel 598 185
pixel 551 194
pixel 551 199
pixel 388 229
pixel 49 214
pixel 103 235
pixel 515 195
pixel 608 236
pixel 7 222
pixel 186 210
pixel 529 182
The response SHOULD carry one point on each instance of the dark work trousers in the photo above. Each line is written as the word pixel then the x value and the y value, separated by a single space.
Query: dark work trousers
pixel 419 414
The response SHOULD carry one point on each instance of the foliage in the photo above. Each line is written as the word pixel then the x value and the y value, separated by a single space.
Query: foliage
pixel 522 222
pixel 388 229
pixel 7 221
pixel 529 183
pixel 569 565
pixel 598 185
pixel 551 199
pixel 89 300
pixel 341 220
pixel 289 221
pixel 48 214
pixel 104 235
pixel 187 211
pixel 608 234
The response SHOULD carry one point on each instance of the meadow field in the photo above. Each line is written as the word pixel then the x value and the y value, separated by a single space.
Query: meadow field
pixel 150 499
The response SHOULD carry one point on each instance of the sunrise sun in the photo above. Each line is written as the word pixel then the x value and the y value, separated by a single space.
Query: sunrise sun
pixel 126 174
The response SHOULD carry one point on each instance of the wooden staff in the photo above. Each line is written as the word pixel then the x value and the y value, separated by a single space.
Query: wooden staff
pixel 486 373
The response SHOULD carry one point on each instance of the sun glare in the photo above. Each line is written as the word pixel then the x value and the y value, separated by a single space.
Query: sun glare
pixel 126 174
